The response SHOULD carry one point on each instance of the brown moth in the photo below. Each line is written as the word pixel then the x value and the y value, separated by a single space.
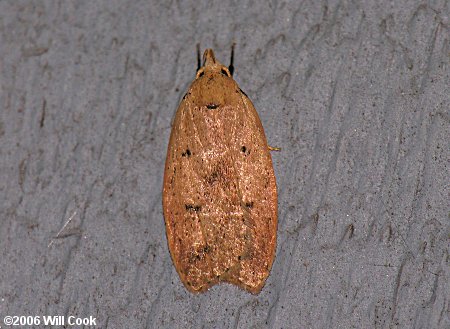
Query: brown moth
pixel 219 193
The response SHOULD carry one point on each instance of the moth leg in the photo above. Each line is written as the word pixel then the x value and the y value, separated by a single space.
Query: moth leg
pixel 273 148
pixel 231 67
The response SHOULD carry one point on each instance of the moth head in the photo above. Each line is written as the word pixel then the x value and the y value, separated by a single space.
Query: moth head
pixel 211 64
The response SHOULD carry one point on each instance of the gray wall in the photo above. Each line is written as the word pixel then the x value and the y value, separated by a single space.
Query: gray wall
pixel 354 92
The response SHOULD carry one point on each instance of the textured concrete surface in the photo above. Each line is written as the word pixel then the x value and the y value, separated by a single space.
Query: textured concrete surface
pixel 355 92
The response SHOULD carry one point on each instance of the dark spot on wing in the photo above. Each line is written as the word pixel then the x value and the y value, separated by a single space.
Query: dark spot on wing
pixel 212 178
pixel 187 153
pixel 212 106
pixel 191 207
pixel 206 249
pixel 245 150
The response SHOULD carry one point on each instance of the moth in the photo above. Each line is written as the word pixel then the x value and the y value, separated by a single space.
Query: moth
pixel 219 191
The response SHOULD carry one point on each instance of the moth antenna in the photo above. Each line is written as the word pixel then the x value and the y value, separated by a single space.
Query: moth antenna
pixel 199 62
pixel 231 67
